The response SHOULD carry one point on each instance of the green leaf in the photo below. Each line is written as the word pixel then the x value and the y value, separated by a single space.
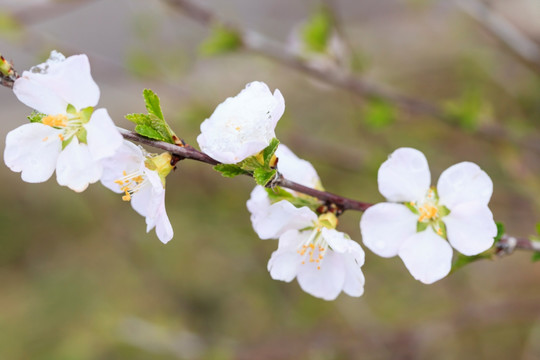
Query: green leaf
pixel 462 260
pixel 270 150
pixel 152 125
pixel 500 231
pixel 538 228
pixel 317 31
pixel 230 170
pixel 149 132
pixel 86 113
pixel 379 114
pixel 35 116
pixel 82 134
pixel 152 103
pixel 278 193
pixel 71 109
pixel 263 176
pixel 221 40
pixel 535 256
pixel 421 226
pixel 139 119
pixel 444 211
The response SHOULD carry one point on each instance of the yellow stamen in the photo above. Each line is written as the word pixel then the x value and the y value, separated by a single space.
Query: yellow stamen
pixel 61 137
pixel 59 120
pixel 45 138
pixel 427 212
pixel 126 197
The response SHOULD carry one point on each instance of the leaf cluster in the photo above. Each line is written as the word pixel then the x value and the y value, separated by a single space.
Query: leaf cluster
pixel 261 166
pixel 153 124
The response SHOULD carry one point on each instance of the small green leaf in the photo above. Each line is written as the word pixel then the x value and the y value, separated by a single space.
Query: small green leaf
pixel 462 260
pixel 149 132
pixel 71 109
pixel 535 256
pixel 270 150
pixel 152 103
pixel 379 114
pixel 230 170
pixel 86 114
pixel 263 177
pixel 500 231
pixel 221 40
pixel 412 208
pixel 444 211
pixel 317 31
pixel 278 193
pixel 35 116
pixel 421 226
pixel 82 134
pixel 152 125
pixel 139 119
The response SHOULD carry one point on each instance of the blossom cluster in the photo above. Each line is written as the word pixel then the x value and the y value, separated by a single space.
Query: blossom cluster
pixel 419 223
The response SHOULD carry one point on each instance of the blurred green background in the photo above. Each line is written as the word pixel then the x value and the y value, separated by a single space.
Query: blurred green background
pixel 80 278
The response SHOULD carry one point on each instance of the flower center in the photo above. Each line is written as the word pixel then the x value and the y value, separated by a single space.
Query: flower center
pixel 131 183
pixel 430 213
pixel 315 247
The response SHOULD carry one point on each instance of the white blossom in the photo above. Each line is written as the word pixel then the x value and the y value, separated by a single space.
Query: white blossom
pixel 417 220
pixel 322 259
pixel 71 137
pixel 140 178
pixel 243 125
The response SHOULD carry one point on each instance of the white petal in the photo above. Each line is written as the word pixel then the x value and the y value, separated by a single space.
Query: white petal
pixel 128 158
pixel 427 256
pixel 38 96
pixel 354 278
pixel 464 182
pixel 102 135
pixel 33 150
pixel 283 216
pixel 470 228
pixel 149 199
pixel 76 168
pixel 404 176
pixel 241 126
pixel 385 226
pixel 62 83
pixel 284 262
pixel 258 201
pixel 328 281
pixel 164 230
pixel 295 169
pixel 337 240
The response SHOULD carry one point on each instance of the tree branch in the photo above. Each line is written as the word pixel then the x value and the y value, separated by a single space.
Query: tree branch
pixel 259 44
pixel 505 246
pixel 524 49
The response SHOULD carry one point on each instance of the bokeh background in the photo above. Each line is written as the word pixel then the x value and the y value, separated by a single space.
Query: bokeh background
pixel 80 278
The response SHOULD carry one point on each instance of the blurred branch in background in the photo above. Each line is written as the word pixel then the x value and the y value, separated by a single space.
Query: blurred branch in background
pixel 519 45
pixel 259 44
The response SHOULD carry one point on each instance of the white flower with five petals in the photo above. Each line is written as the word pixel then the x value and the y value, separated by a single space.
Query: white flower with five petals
pixel 323 260
pixel 71 138
pixel 417 220
pixel 243 125
pixel 141 178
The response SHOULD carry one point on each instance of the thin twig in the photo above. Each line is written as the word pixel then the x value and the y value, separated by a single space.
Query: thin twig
pixel 506 245
pixel 523 48
pixel 259 44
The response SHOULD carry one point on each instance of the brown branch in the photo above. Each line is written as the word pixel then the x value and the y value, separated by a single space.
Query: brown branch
pixel 261 45
pixel 505 246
